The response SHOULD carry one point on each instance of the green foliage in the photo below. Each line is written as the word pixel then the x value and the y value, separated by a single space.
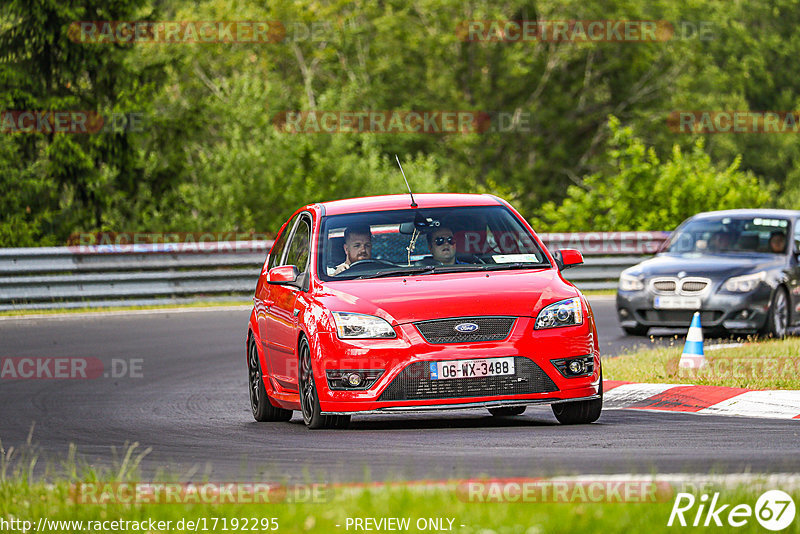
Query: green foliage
pixel 639 191
pixel 211 159
pixel 56 183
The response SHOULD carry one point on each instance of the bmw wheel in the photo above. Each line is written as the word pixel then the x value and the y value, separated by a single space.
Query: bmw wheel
pixel 309 400
pixel 262 408
pixel 778 314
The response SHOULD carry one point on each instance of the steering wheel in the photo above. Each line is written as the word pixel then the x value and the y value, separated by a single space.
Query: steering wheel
pixel 476 259
pixel 364 265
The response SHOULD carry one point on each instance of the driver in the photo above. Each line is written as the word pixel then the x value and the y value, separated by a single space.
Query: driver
pixel 357 247
pixel 720 241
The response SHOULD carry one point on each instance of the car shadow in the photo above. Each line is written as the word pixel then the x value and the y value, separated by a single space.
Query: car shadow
pixel 460 420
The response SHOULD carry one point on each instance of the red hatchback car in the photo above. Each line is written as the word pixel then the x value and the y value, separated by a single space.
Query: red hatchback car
pixel 392 304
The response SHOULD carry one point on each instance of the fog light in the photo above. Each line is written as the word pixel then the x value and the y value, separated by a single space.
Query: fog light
pixel 623 313
pixel 576 367
pixel 354 380
pixel 350 379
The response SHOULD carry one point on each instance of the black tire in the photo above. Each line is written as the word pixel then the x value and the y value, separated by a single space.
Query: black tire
pixel 579 412
pixel 638 330
pixel 777 314
pixel 262 408
pixel 507 411
pixel 309 400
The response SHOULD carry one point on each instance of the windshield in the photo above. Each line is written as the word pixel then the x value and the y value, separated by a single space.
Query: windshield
pixel 395 243
pixel 730 235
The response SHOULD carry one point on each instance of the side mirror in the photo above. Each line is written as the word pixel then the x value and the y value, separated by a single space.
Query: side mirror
pixel 285 275
pixel 568 257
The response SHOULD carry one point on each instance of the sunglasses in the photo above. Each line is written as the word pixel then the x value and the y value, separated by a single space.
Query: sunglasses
pixel 440 240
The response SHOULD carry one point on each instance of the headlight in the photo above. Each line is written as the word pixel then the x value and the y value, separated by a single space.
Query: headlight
pixel 356 325
pixel 630 283
pixel 744 284
pixel 562 313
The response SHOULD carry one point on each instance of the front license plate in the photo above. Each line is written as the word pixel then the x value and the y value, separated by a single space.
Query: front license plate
pixel 472 368
pixel 677 303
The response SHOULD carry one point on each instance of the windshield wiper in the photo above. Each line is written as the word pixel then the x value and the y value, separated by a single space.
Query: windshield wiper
pixel 488 267
pixel 397 272
pixel 457 268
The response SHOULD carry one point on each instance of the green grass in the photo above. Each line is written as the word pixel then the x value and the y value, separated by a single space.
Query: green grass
pixel 52 494
pixel 766 364
pixel 599 292
pixel 60 311
pixel 31 502
pixel 25 497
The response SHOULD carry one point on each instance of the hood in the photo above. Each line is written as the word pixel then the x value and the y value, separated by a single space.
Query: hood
pixel 714 266
pixel 414 298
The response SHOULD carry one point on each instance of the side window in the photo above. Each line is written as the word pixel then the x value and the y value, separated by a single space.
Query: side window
pixel 280 244
pixel 299 247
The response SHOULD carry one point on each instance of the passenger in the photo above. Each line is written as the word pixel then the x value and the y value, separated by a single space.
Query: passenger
pixel 357 247
pixel 443 246
pixel 777 242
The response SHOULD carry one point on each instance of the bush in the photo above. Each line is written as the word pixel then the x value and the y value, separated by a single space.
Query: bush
pixel 638 191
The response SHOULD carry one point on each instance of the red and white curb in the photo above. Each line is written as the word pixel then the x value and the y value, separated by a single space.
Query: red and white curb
pixel 702 400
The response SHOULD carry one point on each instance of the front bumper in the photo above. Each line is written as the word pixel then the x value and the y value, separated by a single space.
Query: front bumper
pixel 466 406
pixel 735 312
pixel 397 356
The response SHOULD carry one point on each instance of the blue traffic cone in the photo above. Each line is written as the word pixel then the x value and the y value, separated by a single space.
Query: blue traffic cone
pixel 693 357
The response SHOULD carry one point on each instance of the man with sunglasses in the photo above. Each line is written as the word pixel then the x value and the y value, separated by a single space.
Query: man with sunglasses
pixel 443 246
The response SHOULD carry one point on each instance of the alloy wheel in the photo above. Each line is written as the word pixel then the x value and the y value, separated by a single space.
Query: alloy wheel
pixel 308 393
pixel 255 378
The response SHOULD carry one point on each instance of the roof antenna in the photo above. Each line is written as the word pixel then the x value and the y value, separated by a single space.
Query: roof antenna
pixel 413 204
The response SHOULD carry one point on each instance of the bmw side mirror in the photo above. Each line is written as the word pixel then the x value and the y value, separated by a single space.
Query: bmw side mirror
pixel 568 257
pixel 285 275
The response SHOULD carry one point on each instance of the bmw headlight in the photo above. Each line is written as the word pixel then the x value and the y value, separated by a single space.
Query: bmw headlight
pixel 744 284
pixel 628 282
pixel 356 325
pixel 562 313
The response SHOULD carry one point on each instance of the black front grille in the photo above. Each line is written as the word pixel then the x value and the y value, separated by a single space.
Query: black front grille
pixel 443 330
pixel 665 286
pixel 414 383
pixel 692 286
pixel 680 318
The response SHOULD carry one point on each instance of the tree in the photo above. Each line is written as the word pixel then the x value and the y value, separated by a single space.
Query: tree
pixel 68 182
pixel 638 191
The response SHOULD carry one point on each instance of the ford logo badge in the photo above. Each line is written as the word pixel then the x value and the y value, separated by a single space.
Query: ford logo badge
pixel 465 328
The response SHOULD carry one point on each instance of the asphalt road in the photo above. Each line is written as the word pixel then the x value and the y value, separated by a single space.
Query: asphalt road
pixel 187 400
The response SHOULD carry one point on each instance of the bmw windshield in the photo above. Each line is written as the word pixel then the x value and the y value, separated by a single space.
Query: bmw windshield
pixel 417 241
pixel 730 235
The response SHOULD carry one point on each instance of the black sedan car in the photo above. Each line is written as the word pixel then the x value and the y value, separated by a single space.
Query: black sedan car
pixel 738 268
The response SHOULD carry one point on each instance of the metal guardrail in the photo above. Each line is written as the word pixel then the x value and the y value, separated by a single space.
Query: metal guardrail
pixel 108 275
pixel 138 275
